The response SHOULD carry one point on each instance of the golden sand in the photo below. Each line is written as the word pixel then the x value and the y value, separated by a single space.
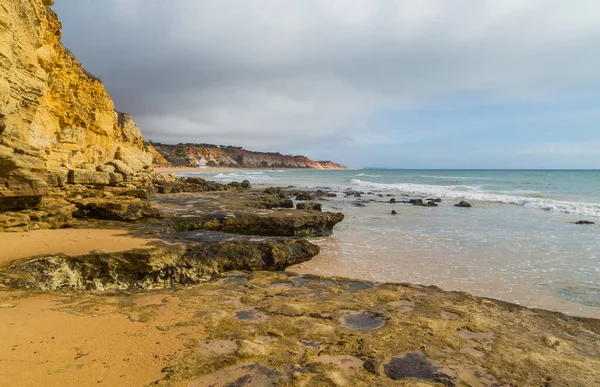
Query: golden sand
pixel 66 241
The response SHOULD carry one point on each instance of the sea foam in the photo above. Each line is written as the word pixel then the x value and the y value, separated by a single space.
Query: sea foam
pixel 476 193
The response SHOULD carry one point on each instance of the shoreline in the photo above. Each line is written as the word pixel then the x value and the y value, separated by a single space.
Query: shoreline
pixel 273 327
pixel 167 170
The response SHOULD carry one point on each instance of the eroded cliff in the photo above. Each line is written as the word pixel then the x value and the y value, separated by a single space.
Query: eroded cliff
pixel 55 117
pixel 189 155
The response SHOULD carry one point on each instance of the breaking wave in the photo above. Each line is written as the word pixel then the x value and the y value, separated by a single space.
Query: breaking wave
pixel 476 193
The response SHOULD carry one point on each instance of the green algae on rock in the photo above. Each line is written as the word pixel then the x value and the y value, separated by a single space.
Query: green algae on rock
pixel 154 268
pixel 247 326
pixel 250 212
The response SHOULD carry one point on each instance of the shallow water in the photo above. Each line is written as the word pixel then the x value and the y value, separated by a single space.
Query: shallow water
pixel 518 242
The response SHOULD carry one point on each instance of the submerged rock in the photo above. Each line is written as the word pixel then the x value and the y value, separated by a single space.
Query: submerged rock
pixel 584 222
pixel 463 204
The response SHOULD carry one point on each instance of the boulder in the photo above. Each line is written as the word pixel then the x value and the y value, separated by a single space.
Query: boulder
pixel 463 204
pixel 121 167
pixel 273 190
pixel 13 220
pixel 303 195
pixel 310 206
pixel 20 189
pixel 85 176
pixel 115 177
pixel 122 208
pixel 105 168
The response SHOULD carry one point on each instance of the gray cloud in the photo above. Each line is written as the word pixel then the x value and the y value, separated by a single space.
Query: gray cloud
pixel 289 75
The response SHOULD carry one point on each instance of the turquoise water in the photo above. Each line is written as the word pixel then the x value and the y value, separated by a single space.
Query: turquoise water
pixel 518 242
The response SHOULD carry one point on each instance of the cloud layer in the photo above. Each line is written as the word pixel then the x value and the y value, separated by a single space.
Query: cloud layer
pixel 307 74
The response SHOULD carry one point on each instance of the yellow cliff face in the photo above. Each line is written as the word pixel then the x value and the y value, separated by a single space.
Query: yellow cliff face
pixel 54 115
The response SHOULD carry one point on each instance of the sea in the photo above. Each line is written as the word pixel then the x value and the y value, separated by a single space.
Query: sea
pixel 518 242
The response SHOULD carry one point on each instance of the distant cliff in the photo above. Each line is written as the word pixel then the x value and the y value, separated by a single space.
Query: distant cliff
pixel 189 155
pixel 56 118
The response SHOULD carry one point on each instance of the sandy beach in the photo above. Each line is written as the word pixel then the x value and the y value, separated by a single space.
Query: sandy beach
pixel 66 241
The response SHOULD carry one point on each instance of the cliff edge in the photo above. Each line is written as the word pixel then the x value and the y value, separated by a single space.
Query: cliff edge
pixel 191 155
pixel 57 121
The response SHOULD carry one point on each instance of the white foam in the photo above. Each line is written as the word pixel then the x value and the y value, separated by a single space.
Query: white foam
pixel 475 193
pixel 456 177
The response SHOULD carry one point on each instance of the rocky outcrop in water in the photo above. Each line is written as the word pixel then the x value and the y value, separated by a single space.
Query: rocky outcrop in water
pixel 244 212
pixel 57 122
pixel 463 204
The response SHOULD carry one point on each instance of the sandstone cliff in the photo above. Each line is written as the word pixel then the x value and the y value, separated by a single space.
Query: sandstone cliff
pixel 56 120
pixel 188 155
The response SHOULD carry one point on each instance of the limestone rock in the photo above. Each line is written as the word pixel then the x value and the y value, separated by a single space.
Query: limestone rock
pixel 53 114
pixel 311 206
pixel 119 208
pixel 84 176
pixel 121 167
pixel 158 267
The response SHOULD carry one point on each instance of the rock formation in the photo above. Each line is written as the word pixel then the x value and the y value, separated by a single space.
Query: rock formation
pixel 189 155
pixel 57 121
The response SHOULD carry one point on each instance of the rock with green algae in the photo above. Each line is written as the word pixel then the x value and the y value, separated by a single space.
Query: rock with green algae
pixel 274 223
pixel 261 329
pixel 250 212
pixel 157 267
pixel 123 208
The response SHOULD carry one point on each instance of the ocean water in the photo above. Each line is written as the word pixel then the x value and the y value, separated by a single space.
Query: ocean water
pixel 517 243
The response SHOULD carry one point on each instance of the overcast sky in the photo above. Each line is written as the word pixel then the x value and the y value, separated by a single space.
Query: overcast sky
pixel 389 83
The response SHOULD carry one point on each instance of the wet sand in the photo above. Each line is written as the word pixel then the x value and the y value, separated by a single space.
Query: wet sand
pixel 66 241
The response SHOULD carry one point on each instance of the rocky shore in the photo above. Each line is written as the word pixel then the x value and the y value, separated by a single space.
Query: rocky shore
pixel 113 274
pixel 207 303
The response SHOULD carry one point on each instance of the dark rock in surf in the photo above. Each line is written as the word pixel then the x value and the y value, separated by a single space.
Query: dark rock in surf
pixel 305 196
pixel 394 212
pixel 310 206
pixel 392 200
pixel 463 204
pixel 584 222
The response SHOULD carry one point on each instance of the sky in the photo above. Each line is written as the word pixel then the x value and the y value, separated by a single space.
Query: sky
pixel 367 83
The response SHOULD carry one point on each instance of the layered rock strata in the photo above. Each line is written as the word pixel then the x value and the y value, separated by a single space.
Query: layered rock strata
pixel 190 155
pixel 58 125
